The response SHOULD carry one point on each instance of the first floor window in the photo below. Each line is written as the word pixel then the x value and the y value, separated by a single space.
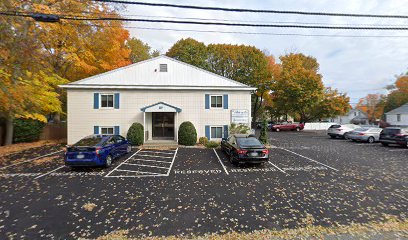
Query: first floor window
pixel 106 100
pixel 216 101
pixel 107 130
pixel 216 132
pixel 398 117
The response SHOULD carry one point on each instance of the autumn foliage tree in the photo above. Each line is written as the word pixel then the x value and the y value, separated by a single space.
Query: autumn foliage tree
pixel 373 106
pixel 36 57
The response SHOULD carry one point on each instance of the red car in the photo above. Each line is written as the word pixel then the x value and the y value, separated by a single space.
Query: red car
pixel 287 126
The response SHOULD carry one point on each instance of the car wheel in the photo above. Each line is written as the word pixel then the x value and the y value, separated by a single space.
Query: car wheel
pixel 297 129
pixel 108 161
pixel 371 140
pixel 346 136
pixel 128 149
pixel 231 159
pixel 277 130
pixel 385 144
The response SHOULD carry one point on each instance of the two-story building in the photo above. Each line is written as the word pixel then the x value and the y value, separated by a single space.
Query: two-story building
pixel 159 93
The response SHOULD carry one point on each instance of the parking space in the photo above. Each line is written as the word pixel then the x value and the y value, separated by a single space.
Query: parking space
pixel 146 163
pixel 195 191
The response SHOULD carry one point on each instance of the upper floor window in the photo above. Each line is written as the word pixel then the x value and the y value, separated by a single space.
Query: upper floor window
pixel 106 100
pixel 216 101
pixel 398 117
pixel 163 67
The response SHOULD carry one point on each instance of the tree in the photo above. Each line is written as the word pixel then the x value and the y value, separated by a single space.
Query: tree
pixel 399 96
pixel 299 90
pixel 189 51
pixel 371 105
pixel 140 51
pixel 263 138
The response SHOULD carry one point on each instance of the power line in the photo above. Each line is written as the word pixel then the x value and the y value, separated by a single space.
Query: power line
pixel 254 10
pixel 81 18
pixel 91 14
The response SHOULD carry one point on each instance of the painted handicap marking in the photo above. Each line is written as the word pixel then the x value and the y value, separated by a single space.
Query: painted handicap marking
pixel 146 163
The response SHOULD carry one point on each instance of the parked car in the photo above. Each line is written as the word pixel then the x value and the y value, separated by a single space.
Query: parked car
pixel 96 150
pixel 394 135
pixel 244 148
pixel 341 131
pixel 365 134
pixel 287 126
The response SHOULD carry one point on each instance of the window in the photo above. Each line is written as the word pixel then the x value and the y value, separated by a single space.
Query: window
pixel 106 100
pixel 110 141
pixel 216 101
pixel 106 130
pixel 216 132
pixel 119 139
pixel 163 67
pixel 355 114
pixel 398 117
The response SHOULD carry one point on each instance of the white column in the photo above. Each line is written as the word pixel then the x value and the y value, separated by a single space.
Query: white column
pixel 176 127
pixel 144 126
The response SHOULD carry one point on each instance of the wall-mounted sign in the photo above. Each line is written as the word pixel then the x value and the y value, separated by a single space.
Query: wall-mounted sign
pixel 240 116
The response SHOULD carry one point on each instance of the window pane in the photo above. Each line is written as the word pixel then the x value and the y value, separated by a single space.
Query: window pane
pixel 110 100
pixel 212 132
pixel 213 101
pixel 219 132
pixel 104 101
pixel 219 101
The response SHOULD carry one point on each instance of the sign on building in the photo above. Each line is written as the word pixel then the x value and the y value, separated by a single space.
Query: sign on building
pixel 240 116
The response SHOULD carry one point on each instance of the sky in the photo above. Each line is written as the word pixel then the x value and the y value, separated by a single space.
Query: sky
pixel 354 65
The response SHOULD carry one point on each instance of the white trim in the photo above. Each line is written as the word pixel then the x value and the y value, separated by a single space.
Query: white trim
pixel 219 159
pixel 107 94
pixel 222 101
pixel 222 132
pixel 158 87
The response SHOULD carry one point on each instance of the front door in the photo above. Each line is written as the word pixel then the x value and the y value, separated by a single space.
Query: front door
pixel 163 125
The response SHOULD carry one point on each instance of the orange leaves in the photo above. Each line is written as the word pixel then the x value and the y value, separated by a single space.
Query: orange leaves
pixel 402 84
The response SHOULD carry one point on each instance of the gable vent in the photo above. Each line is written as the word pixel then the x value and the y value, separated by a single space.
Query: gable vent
pixel 163 67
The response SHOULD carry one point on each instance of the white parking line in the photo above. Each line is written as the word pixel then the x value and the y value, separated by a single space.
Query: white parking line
pixel 149 160
pixel 134 164
pixel 122 163
pixel 309 159
pixel 277 167
pixel 172 162
pixel 219 159
pixel 42 175
pixel 148 151
pixel 137 176
pixel 31 159
pixel 154 156
pixel 124 170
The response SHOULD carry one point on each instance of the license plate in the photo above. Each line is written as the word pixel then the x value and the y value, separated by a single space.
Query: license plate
pixel 253 154
pixel 80 156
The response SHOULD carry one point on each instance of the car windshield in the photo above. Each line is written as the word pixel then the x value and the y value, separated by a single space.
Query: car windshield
pixel 89 141
pixel 249 142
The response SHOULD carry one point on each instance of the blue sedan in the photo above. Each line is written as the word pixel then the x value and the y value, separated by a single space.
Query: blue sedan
pixel 96 150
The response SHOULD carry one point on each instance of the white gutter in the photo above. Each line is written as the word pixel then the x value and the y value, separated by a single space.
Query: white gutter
pixel 72 86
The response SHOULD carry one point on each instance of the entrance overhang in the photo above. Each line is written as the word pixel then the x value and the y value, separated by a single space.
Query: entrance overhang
pixel 161 107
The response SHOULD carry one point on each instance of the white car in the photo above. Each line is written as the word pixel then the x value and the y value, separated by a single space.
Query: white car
pixel 341 131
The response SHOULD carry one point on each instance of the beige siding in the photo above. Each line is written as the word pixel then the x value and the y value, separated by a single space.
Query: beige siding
pixel 82 117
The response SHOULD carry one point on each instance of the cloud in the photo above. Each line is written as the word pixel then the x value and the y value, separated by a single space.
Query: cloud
pixel 354 65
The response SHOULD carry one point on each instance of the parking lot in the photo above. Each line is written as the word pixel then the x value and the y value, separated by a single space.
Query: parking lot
pixel 309 179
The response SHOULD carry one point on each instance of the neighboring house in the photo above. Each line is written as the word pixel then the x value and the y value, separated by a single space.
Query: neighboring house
pixel 355 116
pixel 398 116
pixel 159 93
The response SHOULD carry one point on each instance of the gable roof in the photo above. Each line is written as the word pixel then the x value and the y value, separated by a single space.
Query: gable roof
pixel 147 75
pixel 176 109
pixel 401 110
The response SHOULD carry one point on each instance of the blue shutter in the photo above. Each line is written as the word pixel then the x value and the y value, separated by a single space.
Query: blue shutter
pixel 116 130
pixel 225 131
pixel 207 132
pixel 207 101
pixel 96 129
pixel 117 98
pixel 96 100
pixel 225 101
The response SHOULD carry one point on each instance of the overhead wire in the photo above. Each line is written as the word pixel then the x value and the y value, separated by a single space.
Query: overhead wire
pixel 333 14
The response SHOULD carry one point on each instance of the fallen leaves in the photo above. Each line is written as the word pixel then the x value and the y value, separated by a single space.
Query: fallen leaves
pixel 89 206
